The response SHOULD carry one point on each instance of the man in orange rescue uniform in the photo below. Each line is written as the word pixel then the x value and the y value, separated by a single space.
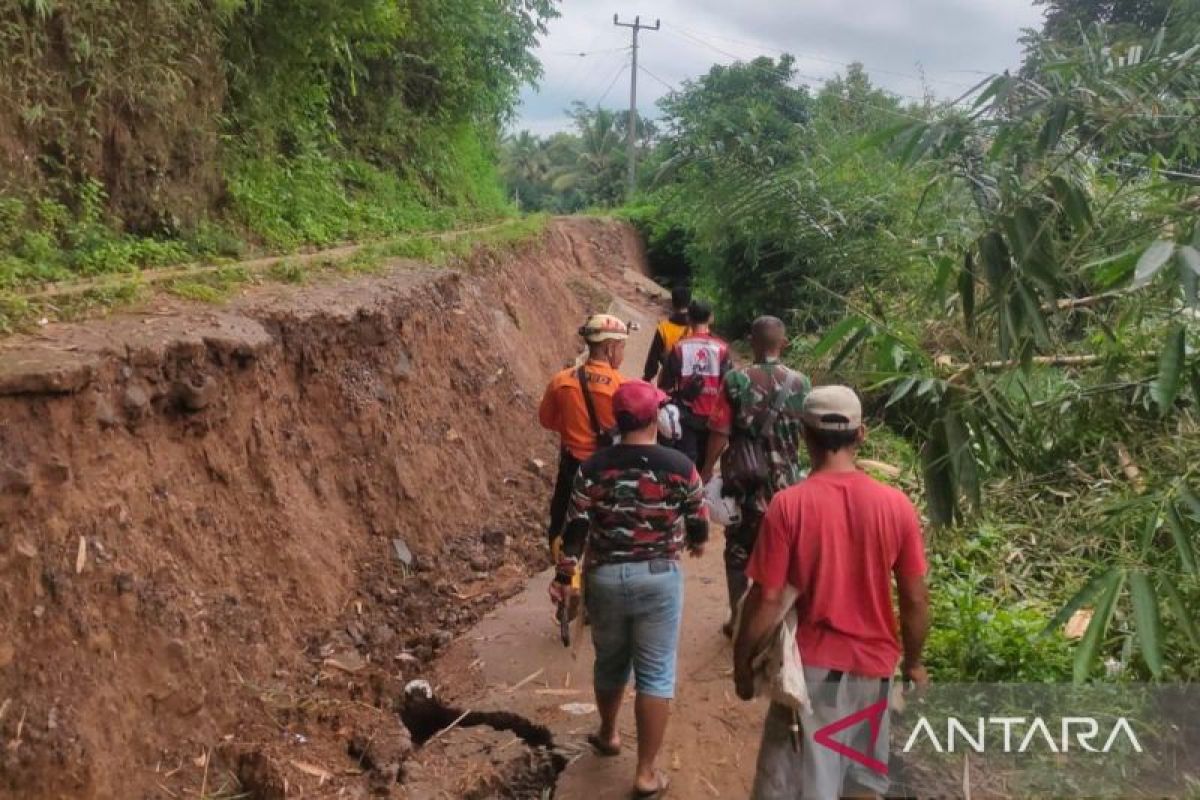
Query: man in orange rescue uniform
pixel 578 406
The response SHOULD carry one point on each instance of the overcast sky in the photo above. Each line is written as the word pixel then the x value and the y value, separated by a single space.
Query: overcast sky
pixel 952 41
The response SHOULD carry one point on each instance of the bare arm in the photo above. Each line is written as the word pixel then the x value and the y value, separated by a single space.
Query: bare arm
pixel 914 624
pixel 762 607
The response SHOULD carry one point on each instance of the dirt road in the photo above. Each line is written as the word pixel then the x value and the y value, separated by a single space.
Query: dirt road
pixel 519 665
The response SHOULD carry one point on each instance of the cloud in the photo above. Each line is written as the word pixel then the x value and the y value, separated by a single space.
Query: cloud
pixel 950 42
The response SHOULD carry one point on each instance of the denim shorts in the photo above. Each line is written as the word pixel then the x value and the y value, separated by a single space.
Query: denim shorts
pixel 635 610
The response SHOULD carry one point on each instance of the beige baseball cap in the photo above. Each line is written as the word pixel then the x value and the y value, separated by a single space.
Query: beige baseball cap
pixel 833 408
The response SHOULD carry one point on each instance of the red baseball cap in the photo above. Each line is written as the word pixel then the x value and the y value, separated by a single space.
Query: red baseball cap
pixel 636 404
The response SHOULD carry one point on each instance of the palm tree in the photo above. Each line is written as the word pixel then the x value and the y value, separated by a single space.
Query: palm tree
pixel 598 160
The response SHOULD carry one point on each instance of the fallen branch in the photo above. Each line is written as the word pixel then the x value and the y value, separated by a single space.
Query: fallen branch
pixel 449 727
pixel 320 773
pixel 1068 303
pixel 525 680
pixel 880 467
pixel 961 371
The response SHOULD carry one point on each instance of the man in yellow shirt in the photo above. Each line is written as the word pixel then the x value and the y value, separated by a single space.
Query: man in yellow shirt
pixel 669 331
pixel 577 405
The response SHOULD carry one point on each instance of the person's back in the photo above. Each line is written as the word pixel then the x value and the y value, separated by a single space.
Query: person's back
pixel 847 533
pixel 693 377
pixel 564 409
pixel 748 394
pixel 758 416
pixel 639 497
pixel 582 427
pixel 668 332
pixel 634 507
pixel 839 539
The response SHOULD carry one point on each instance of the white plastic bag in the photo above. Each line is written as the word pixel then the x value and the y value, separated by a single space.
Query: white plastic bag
pixel 669 426
pixel 722 510
pixel 778 672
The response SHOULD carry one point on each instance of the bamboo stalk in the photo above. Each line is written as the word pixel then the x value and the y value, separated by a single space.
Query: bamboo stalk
pixel 961 371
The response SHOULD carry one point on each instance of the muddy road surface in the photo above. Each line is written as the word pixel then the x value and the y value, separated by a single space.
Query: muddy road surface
pixel 514 661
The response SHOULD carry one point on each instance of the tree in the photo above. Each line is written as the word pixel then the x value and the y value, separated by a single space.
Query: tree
pixel 748 108
pixel 1066 19
pixel 598 169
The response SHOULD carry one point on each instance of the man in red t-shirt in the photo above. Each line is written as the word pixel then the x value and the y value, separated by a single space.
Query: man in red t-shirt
pixel 693 376
pixel 838 538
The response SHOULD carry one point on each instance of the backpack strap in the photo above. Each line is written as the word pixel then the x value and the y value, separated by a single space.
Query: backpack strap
pixel 781 394
pixel 587 401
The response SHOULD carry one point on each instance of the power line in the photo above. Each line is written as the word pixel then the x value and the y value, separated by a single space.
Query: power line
pixel 822 81
pixel 585 54
pixel 660 80
pixel 816 78
pixel 827 60
pixel 612 83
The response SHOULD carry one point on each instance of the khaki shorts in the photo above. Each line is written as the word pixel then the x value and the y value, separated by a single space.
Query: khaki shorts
pixel 834 759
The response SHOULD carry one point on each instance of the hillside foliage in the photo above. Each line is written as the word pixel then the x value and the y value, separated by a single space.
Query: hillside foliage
pixel 1012 280
pixel 134 133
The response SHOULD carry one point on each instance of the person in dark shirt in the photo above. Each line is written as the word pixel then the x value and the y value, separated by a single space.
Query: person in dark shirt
pixel 669 331
pixel 693 375
pixel 635 506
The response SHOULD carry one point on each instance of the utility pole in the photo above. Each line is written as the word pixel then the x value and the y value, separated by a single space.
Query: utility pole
pixel 636 26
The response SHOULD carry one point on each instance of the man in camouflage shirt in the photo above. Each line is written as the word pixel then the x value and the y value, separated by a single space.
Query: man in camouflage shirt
pixel 636 506
pixel 761 404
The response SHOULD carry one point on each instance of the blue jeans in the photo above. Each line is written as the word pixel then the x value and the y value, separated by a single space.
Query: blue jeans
pixel 635 610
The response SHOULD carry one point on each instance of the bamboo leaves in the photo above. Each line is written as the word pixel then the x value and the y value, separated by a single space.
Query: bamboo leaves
pixel 1180 611
pixel 1183 542
pixel 1189 272
pixel 1107 590
pixel 1170 369
pixel 835 335
pixel 1152 260
pixel 1146 621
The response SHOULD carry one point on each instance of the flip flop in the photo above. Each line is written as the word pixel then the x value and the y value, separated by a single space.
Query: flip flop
pixel 602 747
pixel 664 783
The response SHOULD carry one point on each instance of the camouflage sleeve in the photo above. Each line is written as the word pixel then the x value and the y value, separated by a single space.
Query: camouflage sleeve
pixel 578 522
pixel 695 513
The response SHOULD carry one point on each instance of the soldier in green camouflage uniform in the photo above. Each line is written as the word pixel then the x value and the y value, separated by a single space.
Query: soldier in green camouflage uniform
pixel 743 409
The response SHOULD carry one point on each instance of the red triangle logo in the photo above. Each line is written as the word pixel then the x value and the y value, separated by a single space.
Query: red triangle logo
pixel 873 715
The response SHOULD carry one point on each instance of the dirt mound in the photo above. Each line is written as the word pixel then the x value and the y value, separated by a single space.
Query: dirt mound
pixel 229 537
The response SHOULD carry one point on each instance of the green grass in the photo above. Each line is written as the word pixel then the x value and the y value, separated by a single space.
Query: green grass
pixel 275 205
pixel 18 312
pixel 287 271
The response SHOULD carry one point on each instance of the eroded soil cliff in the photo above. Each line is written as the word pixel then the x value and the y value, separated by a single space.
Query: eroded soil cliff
pixel 206 518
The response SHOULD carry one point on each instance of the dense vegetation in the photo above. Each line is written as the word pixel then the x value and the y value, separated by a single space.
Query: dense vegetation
pixel 1012 280
pixel 146 133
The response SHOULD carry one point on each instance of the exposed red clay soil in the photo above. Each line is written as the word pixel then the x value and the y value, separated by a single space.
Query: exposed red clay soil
pixel 200 589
